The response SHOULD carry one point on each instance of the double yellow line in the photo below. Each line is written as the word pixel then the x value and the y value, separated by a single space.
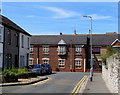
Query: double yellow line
pixel 78 86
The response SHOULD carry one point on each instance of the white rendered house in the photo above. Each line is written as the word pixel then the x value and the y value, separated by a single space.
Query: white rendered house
pixel 24 50
pixel 1 45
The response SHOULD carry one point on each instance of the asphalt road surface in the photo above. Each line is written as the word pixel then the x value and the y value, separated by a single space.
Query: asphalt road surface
pixel 60 82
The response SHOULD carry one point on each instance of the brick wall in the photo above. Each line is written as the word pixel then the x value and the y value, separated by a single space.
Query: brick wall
pixel 111 74
pixel 53 57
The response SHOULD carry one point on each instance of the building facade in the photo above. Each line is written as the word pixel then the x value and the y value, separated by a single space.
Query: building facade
pixel 24 50
pixel 69 52
pixel 11 43
pixel 1 44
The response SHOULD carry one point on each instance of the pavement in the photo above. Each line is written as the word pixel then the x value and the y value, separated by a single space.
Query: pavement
pixel 96 86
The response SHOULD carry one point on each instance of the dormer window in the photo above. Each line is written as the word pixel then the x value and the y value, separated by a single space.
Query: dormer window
pixel 61 50
pixel 61 47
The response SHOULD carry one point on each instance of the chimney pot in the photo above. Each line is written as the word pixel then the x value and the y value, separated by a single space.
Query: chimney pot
pixel 75 32
pixel 60 33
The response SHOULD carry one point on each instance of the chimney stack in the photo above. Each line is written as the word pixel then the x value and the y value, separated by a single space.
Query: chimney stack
pixel 75 32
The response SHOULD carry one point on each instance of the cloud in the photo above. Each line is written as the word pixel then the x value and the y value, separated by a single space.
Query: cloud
pixel 99 17
pixel 30 16
pixel 61 13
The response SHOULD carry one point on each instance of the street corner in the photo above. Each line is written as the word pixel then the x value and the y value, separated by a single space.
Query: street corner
pixel 29 81
pixel 80 86
pixel 42 82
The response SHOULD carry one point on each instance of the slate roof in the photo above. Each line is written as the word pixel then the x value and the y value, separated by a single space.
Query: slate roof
pixel 98 39
pixel 54 39
pixel 7 22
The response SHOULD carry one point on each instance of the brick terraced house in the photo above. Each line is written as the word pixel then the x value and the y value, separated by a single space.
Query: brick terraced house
pixel 14 44
pixel 71 52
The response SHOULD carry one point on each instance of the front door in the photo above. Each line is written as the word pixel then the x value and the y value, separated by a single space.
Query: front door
pixel 16 61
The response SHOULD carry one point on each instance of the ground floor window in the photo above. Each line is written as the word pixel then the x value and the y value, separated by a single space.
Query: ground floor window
pixel 78 64
pixel 61 63
pixel 1 59
pixel 8 61
pixel 22 61
pixel 45 61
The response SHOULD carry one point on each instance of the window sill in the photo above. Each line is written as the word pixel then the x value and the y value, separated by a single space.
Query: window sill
pixel 61 67
pixel 79 54
pixel 78 68
pixel 45 53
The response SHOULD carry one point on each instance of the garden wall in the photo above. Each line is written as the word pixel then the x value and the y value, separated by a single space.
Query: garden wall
pixel 111 73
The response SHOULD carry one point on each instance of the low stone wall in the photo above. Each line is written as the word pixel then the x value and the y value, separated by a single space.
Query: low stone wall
pixel 111 73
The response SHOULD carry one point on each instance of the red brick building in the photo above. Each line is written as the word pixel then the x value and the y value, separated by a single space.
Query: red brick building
pixel 70 52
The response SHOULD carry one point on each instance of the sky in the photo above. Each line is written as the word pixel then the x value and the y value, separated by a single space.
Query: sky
pixel 53 18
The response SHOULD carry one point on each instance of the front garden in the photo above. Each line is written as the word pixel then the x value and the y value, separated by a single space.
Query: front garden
pixel 13 74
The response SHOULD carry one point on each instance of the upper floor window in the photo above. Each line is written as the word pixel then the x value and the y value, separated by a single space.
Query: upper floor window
pixel 45 50
pixel 61 63
pixel 78 49
pixel 22 41
pixel 28 43
pixel 1 34
pixel 117 48
pixel 61 50
pixel 17 39
pixel 78 64
pixel 9 37
pixel 96 50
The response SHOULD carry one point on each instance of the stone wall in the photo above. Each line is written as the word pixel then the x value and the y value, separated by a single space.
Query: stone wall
pixel 111 73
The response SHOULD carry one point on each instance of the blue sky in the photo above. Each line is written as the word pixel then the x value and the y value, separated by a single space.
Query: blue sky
pixel 51 18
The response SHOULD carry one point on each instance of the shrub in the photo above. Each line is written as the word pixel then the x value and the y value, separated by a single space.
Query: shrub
pixel 110 52
pixel 10 72
pixel 14 71
pixel 22 70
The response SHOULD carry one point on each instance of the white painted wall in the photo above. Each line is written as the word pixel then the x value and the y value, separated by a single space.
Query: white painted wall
pixel 1 44
pixel 23 51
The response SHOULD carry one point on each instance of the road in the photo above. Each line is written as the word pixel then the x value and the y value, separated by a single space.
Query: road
pixel 60 82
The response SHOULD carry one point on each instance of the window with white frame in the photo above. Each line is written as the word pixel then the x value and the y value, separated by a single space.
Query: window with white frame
pixel 61 63
pixel 45 50
pixel 61 50
pixel 31 61
pixel 78 64
pixel 45 61
pixel 78 49
pixel 31 50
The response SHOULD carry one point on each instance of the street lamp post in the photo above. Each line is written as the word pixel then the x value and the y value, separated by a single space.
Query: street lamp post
pixel 91 56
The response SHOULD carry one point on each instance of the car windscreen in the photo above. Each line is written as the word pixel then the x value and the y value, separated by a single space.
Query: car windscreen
pixel 36 66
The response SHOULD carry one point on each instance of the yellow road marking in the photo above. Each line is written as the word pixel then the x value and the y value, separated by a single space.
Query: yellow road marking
pixel 42 82
pixel 77 87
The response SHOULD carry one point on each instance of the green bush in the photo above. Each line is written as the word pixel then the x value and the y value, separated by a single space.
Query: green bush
pixel 14 71
pixel 110 52
pixel 22 70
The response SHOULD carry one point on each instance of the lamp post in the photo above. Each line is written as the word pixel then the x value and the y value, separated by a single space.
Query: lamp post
pixel 91 56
